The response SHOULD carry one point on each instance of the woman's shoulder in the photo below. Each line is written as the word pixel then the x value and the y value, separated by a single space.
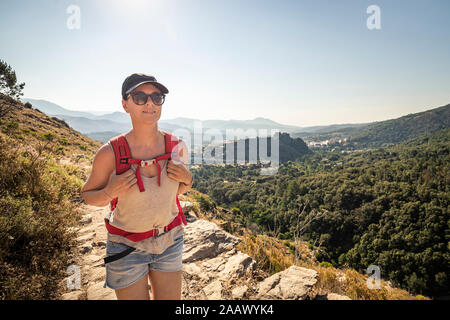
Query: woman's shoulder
pixel 105 154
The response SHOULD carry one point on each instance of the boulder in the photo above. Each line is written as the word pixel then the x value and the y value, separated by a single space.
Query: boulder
pixel 203 239
pixel 294 283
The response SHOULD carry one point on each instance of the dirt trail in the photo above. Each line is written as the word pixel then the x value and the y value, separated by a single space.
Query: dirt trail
pixel 92 248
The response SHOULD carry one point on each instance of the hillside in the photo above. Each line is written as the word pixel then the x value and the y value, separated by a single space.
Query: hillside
pixel 42 168
pixel 386 133
pixel 393 131
pixel 288 148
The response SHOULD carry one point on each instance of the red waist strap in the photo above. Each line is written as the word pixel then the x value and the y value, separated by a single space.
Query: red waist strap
pixel 138 236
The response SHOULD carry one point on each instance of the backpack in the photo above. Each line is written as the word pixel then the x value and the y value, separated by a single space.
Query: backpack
pixel 123 163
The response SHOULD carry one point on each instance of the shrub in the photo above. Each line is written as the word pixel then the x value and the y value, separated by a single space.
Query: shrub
pixel 36 208
pixel 326 264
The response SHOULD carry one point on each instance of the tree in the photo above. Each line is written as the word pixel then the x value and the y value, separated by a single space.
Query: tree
pixel 8 81
pixel 9 87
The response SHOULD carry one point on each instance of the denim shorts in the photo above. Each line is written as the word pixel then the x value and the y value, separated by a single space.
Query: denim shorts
pixel 126 271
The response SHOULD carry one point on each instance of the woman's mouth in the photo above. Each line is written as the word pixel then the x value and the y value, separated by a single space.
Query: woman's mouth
pixel 151 112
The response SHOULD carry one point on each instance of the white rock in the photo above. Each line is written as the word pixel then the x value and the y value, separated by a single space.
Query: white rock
pixel 97 292
pixel 239 292
pixel 213 290
pixel 237 266
pixel 73 295
pixel 294 283
pixel 335 296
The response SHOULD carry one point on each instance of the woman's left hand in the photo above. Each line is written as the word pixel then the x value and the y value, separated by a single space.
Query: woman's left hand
pixel 178 172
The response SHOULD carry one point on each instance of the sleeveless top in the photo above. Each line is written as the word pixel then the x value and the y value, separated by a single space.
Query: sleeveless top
pixel 141 211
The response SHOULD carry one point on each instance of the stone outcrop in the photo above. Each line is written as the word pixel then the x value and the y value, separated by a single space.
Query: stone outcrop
pixel 294 283
pixel 213 268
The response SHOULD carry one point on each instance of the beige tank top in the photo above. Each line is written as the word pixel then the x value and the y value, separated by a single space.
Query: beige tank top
pixel 154 208
pixel 142 211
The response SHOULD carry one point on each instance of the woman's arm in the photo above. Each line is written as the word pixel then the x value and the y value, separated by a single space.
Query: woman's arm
pixel 94 191
pixel 184 187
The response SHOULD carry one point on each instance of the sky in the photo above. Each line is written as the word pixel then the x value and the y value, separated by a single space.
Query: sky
pixel 296 62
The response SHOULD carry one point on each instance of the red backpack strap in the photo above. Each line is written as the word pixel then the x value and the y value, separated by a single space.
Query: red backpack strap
pixel 171 141
pixel 122 154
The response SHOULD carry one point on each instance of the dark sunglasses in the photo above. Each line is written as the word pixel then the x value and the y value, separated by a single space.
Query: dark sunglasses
pixel 140 98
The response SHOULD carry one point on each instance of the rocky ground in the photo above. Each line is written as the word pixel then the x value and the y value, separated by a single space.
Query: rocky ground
pixel 212 266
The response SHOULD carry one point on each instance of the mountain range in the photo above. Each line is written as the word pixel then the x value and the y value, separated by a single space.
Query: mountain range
pixel 356 135
pixel 103 127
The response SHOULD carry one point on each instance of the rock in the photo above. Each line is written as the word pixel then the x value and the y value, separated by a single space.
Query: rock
pixel 186 206
pixel 203 239
pixel 72 229
pixel 86 237
pixel 189 217
pixel 87 229
pixel 294 283
pixel 101 244
pixel 97 292
pixel 95 274
pixel 73 295
pixel 195 272
pixel 335 296
pixel 239 292
pixel 237 266
pixel 86 219
pixel 213 290
pixel 92 259
pixel 85 248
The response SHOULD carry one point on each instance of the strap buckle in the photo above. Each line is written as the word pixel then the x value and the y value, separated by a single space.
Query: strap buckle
pixel 158 231
pixel 123 160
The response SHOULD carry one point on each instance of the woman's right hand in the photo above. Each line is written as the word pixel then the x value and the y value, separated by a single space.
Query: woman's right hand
pixel 120 184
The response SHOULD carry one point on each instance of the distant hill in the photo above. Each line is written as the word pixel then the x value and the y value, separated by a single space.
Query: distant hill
pixel 385 133
pixel 52 109
pixel 289 148
pixel 315 130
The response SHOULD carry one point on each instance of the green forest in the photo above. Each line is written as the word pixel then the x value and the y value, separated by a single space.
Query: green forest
pixel 387 207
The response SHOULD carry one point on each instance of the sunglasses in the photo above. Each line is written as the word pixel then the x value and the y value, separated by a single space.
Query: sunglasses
pixel 140 98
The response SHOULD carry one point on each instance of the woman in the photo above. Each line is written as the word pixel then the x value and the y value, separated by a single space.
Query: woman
pixel 142 245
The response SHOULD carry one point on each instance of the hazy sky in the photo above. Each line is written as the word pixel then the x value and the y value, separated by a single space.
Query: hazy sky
pixel 295 62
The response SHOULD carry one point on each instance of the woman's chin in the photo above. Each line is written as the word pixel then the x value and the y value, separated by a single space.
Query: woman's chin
pixel 150 118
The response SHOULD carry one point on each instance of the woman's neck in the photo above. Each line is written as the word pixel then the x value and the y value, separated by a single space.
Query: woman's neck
pixel 145 136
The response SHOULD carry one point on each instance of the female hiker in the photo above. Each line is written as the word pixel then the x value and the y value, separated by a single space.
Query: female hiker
pixel 140 175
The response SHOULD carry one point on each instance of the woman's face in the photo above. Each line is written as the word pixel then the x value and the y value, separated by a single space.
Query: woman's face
pixel 148 112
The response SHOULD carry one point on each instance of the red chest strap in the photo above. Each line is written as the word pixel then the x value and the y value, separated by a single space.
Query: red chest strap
pixel 124 160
